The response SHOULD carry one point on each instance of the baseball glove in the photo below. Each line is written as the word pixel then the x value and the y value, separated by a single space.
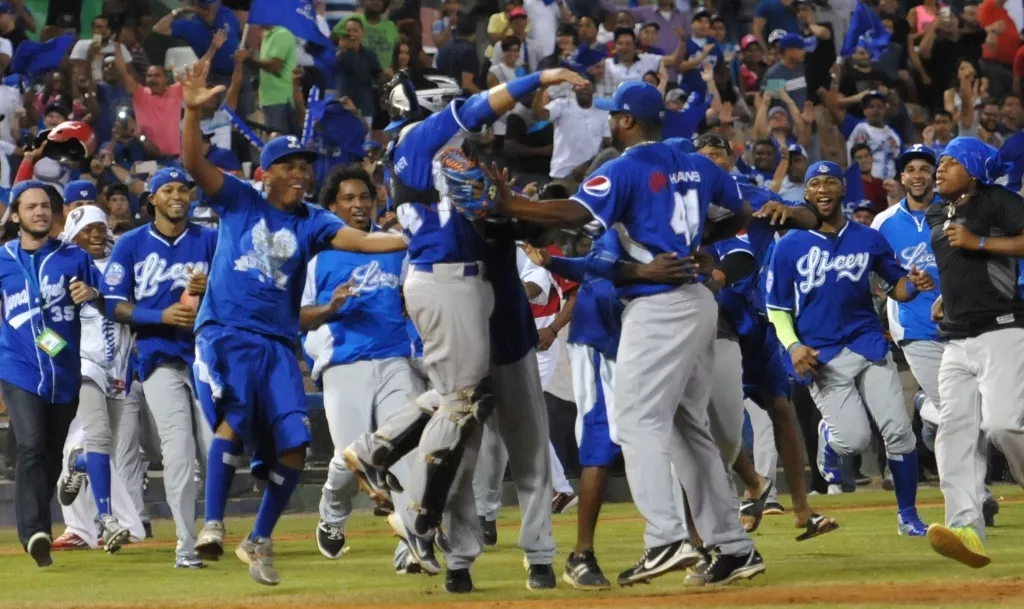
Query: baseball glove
pixel 469 190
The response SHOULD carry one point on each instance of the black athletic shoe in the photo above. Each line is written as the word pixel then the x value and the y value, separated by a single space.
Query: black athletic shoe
pixel 728 568
pixel 421 549
pixel 542 577
pixel 330 540
pixel 989 509
pixel 583 573
pixel 458 581
pixel 148 528
pixel 659 561
pixel 490 529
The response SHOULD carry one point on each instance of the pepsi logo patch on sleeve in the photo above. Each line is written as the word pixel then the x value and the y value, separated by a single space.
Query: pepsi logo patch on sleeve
pixel 114 274
pixel 598 186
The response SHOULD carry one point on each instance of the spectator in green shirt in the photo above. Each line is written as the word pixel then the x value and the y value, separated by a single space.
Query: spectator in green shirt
pixel 276 61
pixel 381 34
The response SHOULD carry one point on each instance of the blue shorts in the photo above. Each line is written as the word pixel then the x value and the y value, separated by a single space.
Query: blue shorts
pixel 254 384
pixel 764 364
pixel 593 384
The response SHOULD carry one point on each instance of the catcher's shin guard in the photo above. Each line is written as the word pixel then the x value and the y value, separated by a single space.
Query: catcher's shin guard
pixel 462 416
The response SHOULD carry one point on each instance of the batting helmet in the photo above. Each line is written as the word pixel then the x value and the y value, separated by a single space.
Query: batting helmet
pixel 68 141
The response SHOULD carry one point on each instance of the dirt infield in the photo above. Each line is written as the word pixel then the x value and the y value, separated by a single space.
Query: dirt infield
pixel 1003 592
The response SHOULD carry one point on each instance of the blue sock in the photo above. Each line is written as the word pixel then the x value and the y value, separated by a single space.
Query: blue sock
pixel 80 463
pixel 221 462
pixel 904 479
pixel 283 481
pixel 97 465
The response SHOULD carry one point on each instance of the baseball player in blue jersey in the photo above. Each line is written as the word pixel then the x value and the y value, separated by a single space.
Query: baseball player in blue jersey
pixel 246 371
pixel 819 300
pixel 764 377
pixel 43 284
pixel 450 302
pixel 149 269
pixel 358 342
pixel 905 228
pixel 658 199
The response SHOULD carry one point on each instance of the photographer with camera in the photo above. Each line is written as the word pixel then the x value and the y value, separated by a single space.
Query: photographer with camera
pixel 91 52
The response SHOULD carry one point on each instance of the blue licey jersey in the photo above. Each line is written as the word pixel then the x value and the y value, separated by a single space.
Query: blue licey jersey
pixel 910 237
pixel 823 280
pixel 371 324
pixel 151 270
pixel 597 314
pixel 437 232
pixel 661 198
pixel 739 301
pixel 259 268
pixel 36 292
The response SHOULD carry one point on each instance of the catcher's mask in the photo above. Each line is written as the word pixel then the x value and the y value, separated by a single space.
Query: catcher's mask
pixel 411 98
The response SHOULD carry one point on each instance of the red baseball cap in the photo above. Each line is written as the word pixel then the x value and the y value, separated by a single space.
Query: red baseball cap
pixel 748 40
pixel 517 12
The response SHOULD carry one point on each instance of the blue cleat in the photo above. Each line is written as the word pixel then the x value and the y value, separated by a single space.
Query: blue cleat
pixel 909 523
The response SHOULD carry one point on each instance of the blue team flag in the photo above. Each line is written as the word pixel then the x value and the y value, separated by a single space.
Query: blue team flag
pixel 866 31
pixel 33 58
pixel 297 16
pixel 854 186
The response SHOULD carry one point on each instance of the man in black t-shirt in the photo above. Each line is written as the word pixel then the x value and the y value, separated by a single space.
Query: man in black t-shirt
pixel 458 58
pixel 978 239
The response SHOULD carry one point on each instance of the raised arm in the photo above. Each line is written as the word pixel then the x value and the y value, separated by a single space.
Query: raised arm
pixel 130 84
pixel 194 94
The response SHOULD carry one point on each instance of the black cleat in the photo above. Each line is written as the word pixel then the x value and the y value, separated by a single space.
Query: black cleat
pixel 658 561
pixel 729 568
pixel 330 540
pixel 542 577
pixel 989 509
pixel 583 573
pixel 458 581
pixel 490 529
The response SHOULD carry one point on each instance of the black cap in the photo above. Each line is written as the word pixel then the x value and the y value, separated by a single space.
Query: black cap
pixel 700 14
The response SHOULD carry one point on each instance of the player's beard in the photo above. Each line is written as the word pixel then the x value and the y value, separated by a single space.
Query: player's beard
pixel 924 195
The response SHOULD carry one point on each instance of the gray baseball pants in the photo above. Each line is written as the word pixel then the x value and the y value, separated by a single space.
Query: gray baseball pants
pixel 981 390
pixel 663 386
pixel 356 397
pixel 848 389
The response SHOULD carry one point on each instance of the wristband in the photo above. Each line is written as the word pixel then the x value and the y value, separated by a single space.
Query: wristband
pixel 523 86
pixel 790 348
pixel 981 245
pixel 151 317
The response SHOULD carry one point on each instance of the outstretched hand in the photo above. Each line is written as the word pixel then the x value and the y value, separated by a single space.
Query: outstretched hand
pixel 194 91
pixel 557 76
pixel 499 178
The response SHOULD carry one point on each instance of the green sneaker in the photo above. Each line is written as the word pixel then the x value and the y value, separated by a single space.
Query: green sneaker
pixel 962 544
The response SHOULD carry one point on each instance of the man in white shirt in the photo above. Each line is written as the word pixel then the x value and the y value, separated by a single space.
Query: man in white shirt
pixel 581 131
pixel 884 142
pixel 91 51
pixel 627 63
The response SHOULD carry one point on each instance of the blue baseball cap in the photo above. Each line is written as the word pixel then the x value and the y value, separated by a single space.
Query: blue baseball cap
pixel 79 190
pixel 917 151
pixel 21 187
pixel 167 175
pixel 797 149
pixel 792 41
pixel 282 147
pixel 872 94
pixel 636 98
pixel 823 168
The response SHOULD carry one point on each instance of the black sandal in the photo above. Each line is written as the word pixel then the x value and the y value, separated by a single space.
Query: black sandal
pixel 817 525
pixel 755 507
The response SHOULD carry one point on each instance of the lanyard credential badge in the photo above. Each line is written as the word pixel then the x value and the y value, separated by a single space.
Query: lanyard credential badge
pixel 50 342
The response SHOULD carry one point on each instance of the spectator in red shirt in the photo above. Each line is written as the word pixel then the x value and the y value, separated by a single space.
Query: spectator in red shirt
pixel 874 188
pixel 1001 44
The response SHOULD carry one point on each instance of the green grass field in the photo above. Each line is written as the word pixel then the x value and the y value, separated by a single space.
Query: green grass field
pixel 863 564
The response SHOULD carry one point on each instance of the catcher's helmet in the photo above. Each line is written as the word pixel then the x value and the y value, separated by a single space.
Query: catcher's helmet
pixel 68 141
pixel 413 98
